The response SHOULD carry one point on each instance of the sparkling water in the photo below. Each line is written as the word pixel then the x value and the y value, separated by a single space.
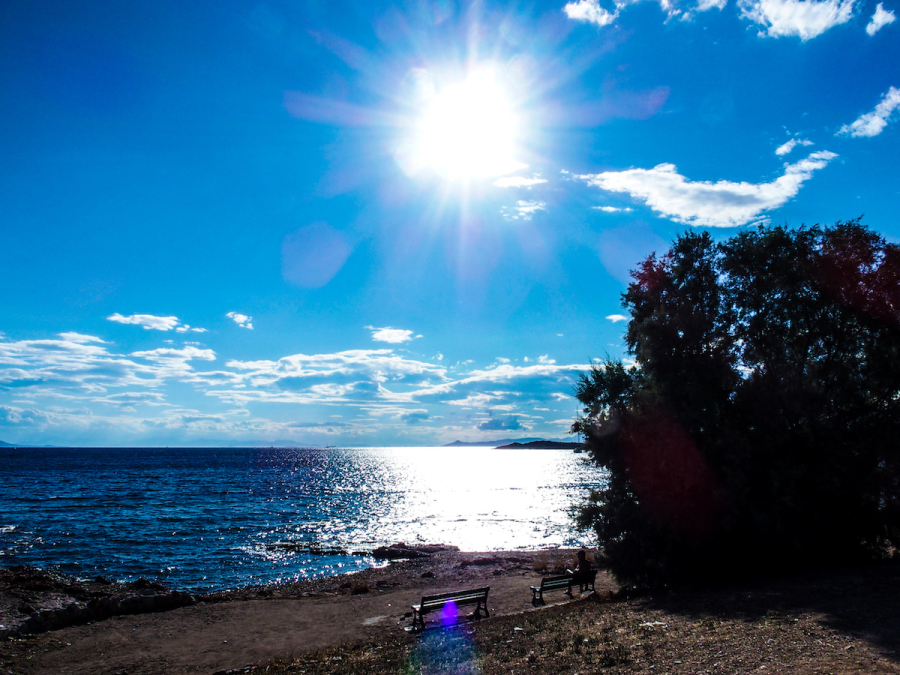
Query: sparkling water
pixel 214 518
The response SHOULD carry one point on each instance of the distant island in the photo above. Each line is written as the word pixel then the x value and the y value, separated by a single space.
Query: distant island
pixel 542 445
pixel 489 444
pixel 517 443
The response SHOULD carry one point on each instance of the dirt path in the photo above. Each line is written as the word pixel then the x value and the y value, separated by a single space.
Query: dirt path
pixel 213 636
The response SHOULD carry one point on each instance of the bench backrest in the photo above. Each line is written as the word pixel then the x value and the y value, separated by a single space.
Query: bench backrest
pixel 459 597
pixel 549 583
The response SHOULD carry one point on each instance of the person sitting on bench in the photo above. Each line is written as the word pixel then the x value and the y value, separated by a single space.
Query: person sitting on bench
pixel 582 572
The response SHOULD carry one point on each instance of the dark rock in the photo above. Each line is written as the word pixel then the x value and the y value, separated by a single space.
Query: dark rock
pixel 401 550
pixel 427 575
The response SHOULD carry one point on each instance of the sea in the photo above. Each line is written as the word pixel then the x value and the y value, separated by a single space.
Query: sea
pixel 205 519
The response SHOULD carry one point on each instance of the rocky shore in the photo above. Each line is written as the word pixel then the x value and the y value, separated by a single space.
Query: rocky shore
pixel 36 601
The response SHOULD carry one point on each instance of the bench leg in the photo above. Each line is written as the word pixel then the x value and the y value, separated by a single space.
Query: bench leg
pixel 418 621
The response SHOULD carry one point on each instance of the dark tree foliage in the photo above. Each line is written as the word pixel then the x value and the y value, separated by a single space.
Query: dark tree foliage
pixel 760 426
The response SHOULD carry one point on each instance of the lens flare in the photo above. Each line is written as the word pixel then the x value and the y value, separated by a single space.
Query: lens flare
pixel 447 648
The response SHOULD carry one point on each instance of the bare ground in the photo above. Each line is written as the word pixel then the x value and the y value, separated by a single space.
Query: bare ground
pixel 840 621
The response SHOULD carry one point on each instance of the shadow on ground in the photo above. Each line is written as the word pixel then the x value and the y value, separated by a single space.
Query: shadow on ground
pixel 859 602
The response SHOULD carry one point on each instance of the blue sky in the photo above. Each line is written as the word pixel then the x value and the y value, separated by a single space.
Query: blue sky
pixel 379 224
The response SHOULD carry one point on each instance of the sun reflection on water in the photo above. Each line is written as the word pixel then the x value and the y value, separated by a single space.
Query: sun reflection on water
pixel 474 498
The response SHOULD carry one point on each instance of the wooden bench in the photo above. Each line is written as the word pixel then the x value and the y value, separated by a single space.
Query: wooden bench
pixel 430 603
pixel 566 581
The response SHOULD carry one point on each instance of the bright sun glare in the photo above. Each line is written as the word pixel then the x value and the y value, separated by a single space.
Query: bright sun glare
pixel 468 130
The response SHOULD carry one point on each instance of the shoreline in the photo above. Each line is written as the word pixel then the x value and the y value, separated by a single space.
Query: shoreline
pixel 837 620
pixel 231 629
pixel 34 600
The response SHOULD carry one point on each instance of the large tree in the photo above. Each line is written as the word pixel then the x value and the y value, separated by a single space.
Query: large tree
pixel 759 426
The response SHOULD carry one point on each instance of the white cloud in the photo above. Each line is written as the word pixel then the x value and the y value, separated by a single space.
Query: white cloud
pixel 785 148
pixel 613 209
pixel 148 321
pixel 881 18
pixel 704 5
pixel 523 210
pixel 803 18
pixel 241 320
pixel 615 318
pixel 590 11
pixel 392 335
pixel 82 366
pixel 519 181
pixel 183 354
pixel 703 203
pixel 503 384
pixel 397 390
pixel 79 338
pixel 873 123
pixel 509 423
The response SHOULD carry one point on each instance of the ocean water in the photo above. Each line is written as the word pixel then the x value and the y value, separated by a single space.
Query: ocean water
pixel 216 518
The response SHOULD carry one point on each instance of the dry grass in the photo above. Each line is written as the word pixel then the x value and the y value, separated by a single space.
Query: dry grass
pixel 838 622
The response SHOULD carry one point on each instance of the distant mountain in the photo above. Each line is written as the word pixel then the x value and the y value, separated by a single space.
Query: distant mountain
pixel 7 445
pixel 542 445
pixel 491 444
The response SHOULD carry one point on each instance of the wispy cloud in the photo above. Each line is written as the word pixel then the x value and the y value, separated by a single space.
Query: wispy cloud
pixel 183 354
pixel 616 318
pixel 523 210
pixel 786 148
pixel 873 123
pixel 613 209
pixel 89 391
pixel 241 320
pixel 704 203
pixel 83 365
pixel 151 322
pixel 392 335
pixel 147 321
pixel 881 18
pixel 805 19
pixel 519 181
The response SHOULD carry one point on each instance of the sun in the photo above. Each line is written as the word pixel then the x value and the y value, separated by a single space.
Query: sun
pixel 469 129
